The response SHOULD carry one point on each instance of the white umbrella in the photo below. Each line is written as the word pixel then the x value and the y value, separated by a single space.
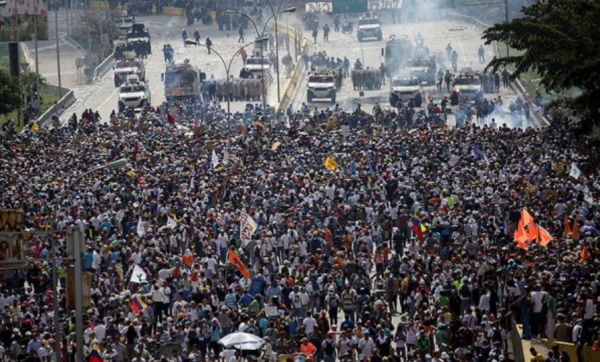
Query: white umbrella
pixel 241 340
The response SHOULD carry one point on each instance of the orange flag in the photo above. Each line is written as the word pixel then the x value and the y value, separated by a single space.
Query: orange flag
pixel 235 260
pixel 575 231
pixel 520 233
pixel 545 237
pixel 533 232
pixel 567 227
pixel 522 245
pixel 585 254
pixel 526 217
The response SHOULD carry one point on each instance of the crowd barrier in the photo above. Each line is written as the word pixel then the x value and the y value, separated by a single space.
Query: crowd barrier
pixel 56 110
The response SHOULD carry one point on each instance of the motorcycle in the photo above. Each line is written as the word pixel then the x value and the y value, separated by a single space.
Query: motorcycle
pixel 348 28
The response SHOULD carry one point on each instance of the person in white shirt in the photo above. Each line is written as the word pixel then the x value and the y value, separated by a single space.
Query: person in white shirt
pixel 366 346
pixel 309 324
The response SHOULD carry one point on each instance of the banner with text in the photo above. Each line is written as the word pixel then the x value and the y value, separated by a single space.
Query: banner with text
pixel 327 7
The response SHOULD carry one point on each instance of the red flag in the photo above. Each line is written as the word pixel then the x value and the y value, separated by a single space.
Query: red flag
pixel 575 230
pixel 235 260
pixel 585 254
pixel 135 151
pixel 545 237
pixel 532 234
pixel 170 118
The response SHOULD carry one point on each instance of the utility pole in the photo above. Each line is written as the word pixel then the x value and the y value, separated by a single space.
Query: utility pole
pixel 506 14
pixel 57 51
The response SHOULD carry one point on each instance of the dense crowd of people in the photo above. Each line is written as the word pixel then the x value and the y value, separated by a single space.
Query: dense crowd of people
pixel 368 243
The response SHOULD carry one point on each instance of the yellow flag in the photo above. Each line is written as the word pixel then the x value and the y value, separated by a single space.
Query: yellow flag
pixel 35 127
pixel 330 164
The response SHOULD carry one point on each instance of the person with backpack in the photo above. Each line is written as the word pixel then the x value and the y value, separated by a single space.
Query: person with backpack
pixel 329 347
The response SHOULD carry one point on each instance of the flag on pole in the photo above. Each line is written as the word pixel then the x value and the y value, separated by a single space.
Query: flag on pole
pixel 575 230
pixel 35 127
pixel 235 260
pixel 532 233
pixel 330 164
pixel 585 254
pixel 140 228
pixel 137 304
pixel 171 224
pixel 247 228
pixel 417 228
pixel 95 356
pixel 567 227
pixel 526 217
pixel 575 172
pixel 138 276
pixel 214 159
pixel 478 154
pixel 544 236
pixel 520 236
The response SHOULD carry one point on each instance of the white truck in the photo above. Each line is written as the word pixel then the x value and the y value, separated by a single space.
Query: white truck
pixel 369 28
pixel 321 85
pixel 466 87
pixel 256 66
pixel 404 88
pixel 134 94
pixel 127 67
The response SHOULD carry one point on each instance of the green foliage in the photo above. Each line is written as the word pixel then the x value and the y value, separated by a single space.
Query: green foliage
pixel 9 92
pixel 560 41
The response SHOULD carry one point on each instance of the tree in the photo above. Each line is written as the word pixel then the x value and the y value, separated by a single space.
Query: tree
pixel 560 41
pixel 9 92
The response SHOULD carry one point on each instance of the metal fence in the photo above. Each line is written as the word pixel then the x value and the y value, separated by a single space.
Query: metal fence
pixel 515 340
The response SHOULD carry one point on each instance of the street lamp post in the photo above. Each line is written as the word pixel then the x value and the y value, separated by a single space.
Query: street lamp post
pixel 259 34
pixel 227 67
pixel 78 265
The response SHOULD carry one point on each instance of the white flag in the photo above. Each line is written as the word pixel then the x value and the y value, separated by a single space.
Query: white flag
pixel 215 159
pixel 171 224
pixel 454 160
pixel 138 275
pixel 140 228
pixel 247 228
pixel 575 172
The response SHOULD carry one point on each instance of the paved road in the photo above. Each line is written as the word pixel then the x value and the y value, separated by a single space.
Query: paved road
pixel 102 95
pixel 465 38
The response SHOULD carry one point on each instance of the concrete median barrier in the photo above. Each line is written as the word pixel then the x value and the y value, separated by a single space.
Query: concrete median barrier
pixel 105 66
pixel 99 5
pixel 167 10
pixel 58 109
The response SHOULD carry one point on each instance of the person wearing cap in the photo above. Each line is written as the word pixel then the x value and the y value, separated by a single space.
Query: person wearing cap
pixel 307 348
pixel 329 347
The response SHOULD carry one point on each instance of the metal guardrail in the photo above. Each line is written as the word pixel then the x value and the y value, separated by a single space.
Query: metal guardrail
pixel 515 340
pixel 294 80
pixel 105 66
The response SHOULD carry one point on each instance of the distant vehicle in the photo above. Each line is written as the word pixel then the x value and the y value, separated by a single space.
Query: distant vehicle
pixel 321 85
pixel 403 88
pixel 369 28
pixel 257 65
pixel 397 52
pixel 134 93
pixel 466 87
pixel 182 81
pixel 127 67
pixel 124 23
pixel 424 69
pixel 139 34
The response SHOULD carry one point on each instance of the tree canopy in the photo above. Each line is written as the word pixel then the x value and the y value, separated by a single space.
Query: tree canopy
pixel 9 92
pixel 559 40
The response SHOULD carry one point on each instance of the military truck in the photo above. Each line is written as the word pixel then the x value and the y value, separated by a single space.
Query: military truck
pixel 397 52
pixel 134 93
pixel 182 81
pixel 369 28
pixel 321 85
pixel 404 88
pixel 128 66
pixel 466 87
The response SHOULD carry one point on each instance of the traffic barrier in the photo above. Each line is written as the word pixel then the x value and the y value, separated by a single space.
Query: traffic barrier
pixel 105 66
pixel 168 10
pixel 59 108
pixel 99 5
pixel 291 85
